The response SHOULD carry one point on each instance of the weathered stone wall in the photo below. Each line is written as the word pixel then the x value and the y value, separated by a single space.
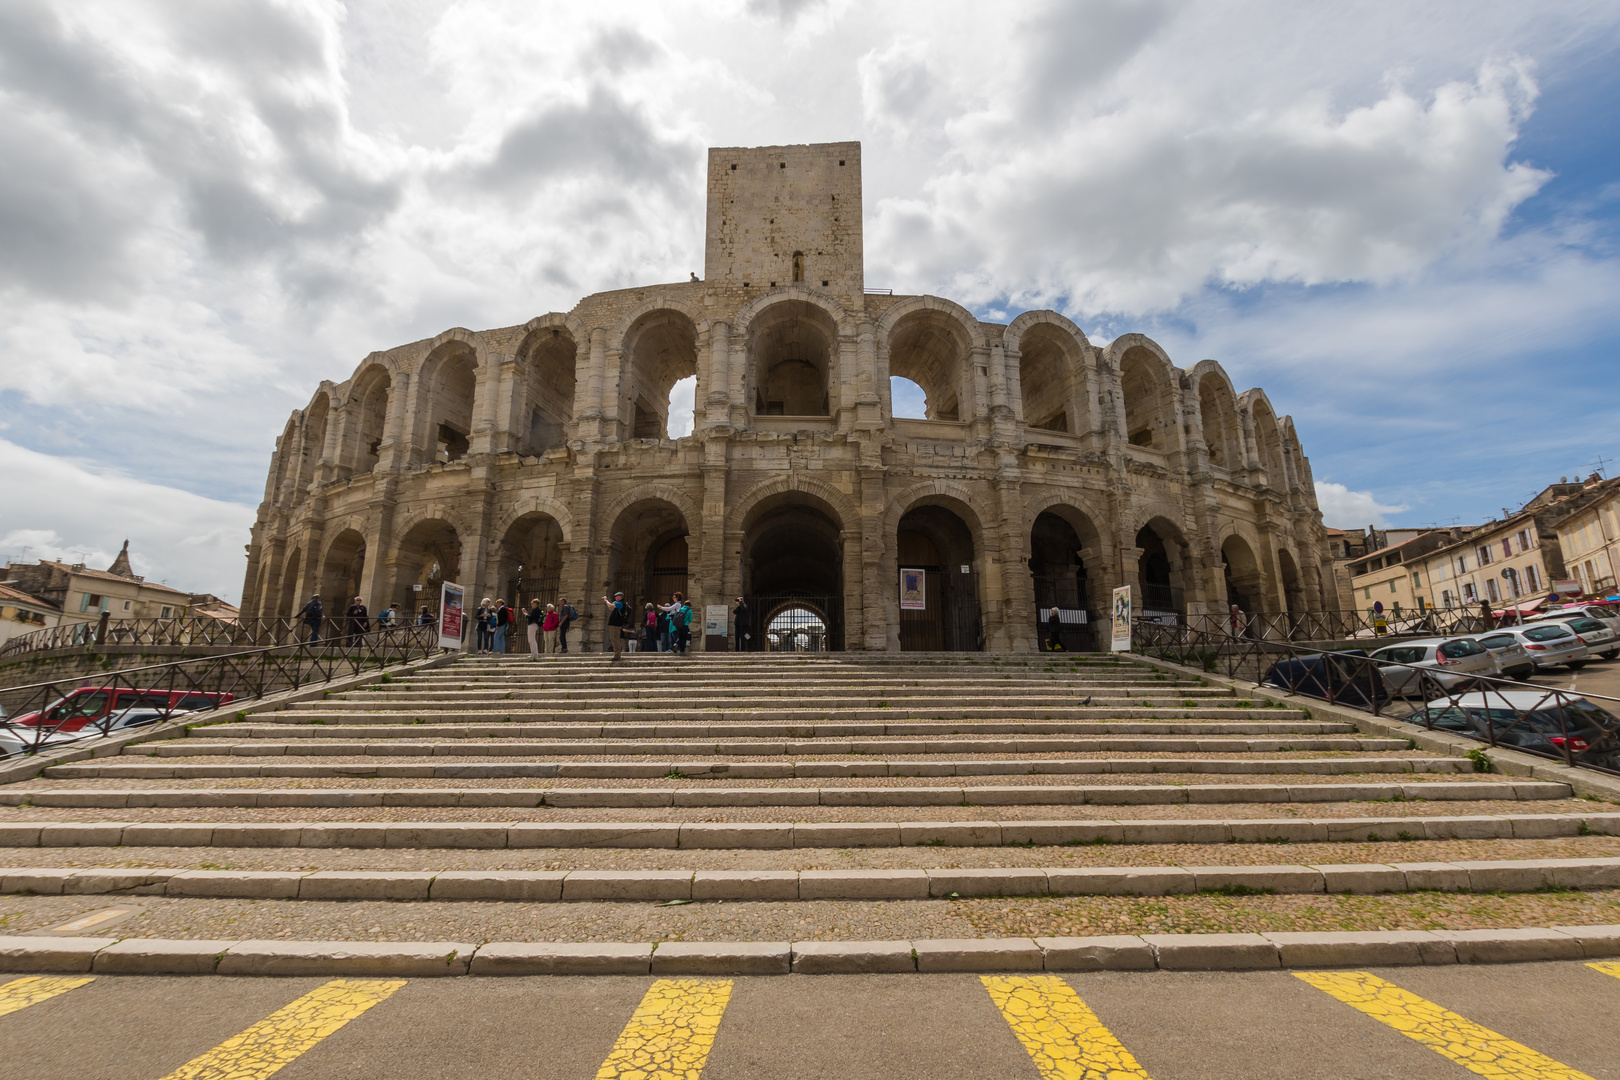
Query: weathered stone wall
pixel 431 455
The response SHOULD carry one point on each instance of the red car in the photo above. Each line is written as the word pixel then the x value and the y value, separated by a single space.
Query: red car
pixel 88 704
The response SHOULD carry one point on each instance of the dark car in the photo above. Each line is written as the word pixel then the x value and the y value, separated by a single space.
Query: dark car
pixel 1541 722
pixel 1349 678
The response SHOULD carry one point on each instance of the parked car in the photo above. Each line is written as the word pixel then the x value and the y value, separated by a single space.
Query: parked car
pixel 1535 720
pixel 89 705
pixel 1415 668
pixel 17 740
pixel 1607 614
pixel 1340 676
pixel 1512 658
pixel 1598 636
pixel 1551 644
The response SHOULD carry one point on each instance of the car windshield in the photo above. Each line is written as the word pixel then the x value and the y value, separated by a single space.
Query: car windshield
pixel 1401 654
pixel 1547 633
pixel 1586 626
pixel 82 705
pixel 1451 650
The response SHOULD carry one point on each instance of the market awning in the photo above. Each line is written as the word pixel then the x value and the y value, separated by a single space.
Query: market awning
pixel 1528 605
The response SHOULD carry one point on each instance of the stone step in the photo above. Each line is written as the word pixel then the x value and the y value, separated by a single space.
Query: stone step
pixel 743 770
pixel 561 886
pixel 335 748
pixel 424 684
pixel 843 796
pixel 422 835
pixel 538 698
pixel 328 712
pixel 293 728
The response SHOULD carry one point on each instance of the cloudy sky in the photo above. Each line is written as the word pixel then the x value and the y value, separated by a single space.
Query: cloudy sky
pixel 1399 218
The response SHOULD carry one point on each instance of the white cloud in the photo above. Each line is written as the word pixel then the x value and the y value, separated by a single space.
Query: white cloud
pixel 1346 509
pixel 58 508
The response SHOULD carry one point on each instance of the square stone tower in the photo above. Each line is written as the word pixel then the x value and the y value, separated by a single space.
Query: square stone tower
pixel 785 214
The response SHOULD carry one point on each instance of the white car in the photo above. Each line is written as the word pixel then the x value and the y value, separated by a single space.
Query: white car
pixel 1551 644
pixel 20 740
pixel 1604 613
pixel 1416 667
pixel 1512 658
pixel 1598 636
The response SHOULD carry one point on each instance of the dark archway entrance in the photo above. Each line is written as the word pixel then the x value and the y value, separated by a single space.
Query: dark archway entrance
pixel 1242 571
pixel 793 578
pixel 1158 569
pixel 938 543
pixel 1059 578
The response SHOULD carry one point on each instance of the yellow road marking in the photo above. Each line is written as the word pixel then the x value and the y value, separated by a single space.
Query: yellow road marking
pixel 1059 1030
pixel 95 918
pixel 1608 967
pixel 1476 1048
pixel 671 1032
pixel 288 1032
pixel 33 989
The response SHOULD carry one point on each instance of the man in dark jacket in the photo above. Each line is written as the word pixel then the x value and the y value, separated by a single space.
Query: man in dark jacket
pixel 359 618
pixel 569 613
pixel 312 615
pixel 741 614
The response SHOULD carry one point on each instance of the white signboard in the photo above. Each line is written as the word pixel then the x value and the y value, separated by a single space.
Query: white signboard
pixel 1120 620
pixel 913 590
pixel 715 620
pixel 452 616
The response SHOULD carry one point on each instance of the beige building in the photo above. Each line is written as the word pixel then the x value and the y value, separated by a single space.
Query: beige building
pixel 542 459
pixel 21 613
pixel 1396 575
pixel 1590 539
pixel 81 594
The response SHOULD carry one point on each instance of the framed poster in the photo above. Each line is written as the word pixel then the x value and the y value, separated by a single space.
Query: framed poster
pixel 452 617
pixel 913 590
pixel 1121 620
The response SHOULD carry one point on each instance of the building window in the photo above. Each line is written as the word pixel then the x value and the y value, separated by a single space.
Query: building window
pixel 128 604
pixel 1491 589
pixel 1524 539
pixel 164 614
pixel 1532 578
pixel 1417 580
pixel 1366 594
pixel 1483 554
pixel 1392 583
pixel 1507 548
pixel 1468 592
pixel 1445 597
pixel 1462 564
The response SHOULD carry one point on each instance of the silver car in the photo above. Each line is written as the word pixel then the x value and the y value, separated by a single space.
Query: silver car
pixel 1512 658
pixel 1551 644
pixel 1603 613
pixel 1417 667
pixel 1598 635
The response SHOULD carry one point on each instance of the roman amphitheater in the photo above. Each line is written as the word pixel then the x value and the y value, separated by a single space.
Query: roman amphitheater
pixel 538 460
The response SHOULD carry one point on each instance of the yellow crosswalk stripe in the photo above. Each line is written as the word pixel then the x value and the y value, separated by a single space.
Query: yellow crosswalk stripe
pixel 671 1032
pixel 1059 1030
pixel 33 989
pixel 1608 967
pixel 1476 1048
pixel 291 1030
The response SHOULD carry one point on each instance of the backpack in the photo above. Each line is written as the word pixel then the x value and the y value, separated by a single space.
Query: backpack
pixel 617 617
pixel 685 615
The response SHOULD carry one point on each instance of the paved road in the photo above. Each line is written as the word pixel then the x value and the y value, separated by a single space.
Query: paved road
pixel 1563 1020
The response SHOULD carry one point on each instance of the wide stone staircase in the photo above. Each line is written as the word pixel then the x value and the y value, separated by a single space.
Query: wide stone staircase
pixel 765 798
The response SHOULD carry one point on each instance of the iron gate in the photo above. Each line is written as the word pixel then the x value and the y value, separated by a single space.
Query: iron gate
pixel 949 621
pixel 794 624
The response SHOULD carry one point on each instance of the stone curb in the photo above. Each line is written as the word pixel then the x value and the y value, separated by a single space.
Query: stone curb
pixel 1162 952
pixel 976 795
pixel 653 834
pixel 1511 876
pixel 28 768
pixel 1503 760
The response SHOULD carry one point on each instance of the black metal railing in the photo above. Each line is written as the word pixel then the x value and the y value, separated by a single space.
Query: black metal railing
pixel 1580 729
pixel 1342 625
pixel 200 631
pixel 62 712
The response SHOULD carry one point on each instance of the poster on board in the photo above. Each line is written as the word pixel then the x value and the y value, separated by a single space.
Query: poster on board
pixel 451 616
pixel 913 590
pixel 1120 620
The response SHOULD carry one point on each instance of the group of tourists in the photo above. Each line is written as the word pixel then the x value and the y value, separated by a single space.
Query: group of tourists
pixel 356 620
pixel 660 628
pixel 547 625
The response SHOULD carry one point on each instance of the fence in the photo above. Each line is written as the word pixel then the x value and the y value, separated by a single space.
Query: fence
pixel 1581 729
pixel 190 630
pixel 1337 625
pixel 65 711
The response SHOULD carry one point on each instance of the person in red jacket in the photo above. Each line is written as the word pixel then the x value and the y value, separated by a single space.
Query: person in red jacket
pixel 548 627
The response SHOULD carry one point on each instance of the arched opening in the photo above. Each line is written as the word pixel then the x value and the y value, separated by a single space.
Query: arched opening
pixel 649 555
pixel 286 451
pixel 906 399
pixel 1244 586
pixel 1059 576
pixel 931 349
pixel 1223 434
pixel 450 380
pixel 938 585
pixel 793 558
pixel 1293 585
pixel 1269 444
pixel 342 570
pixel 288 601
pixel 369 400
pixel 427 556
pixel 312 444
pixel 548 354
pixel 660 350
pixel 531 560
pixel 1162 553
pixel 1148 411
pixel 791 346
pixel 798 266
pixel 1047 360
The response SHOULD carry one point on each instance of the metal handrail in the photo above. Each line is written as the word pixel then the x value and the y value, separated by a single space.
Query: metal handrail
pixel 1358 681
pixel 241 676
pixel 181 632
pixel 1342 625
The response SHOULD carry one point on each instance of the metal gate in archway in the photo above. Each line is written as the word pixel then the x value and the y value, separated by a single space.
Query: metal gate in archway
pixel 950 620
pixel 799 624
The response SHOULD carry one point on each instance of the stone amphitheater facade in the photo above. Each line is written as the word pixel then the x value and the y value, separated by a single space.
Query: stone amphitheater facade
pixel 536 460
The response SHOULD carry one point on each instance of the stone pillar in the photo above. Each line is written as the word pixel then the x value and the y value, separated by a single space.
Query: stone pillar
pixel 393 451
pixel 708 584
pixel 877 580
pixel 869 400
pixel 1017 587
pixel 717 402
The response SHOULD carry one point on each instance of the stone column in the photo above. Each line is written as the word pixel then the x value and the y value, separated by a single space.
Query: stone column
pixel 708 584
pixel 393 452
pixel 717 402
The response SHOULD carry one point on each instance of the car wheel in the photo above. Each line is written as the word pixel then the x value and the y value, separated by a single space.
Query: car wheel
pixel 1575 665
pixel 1523 674
pixel 1611 654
